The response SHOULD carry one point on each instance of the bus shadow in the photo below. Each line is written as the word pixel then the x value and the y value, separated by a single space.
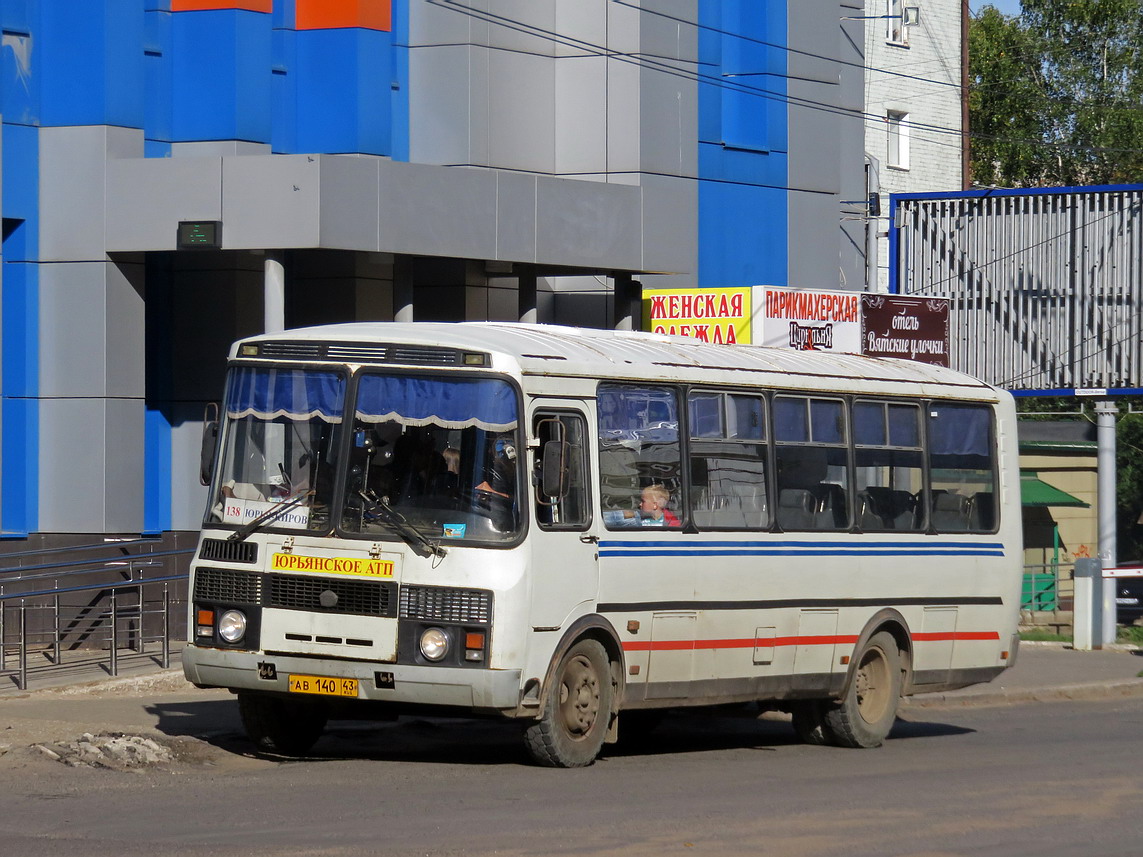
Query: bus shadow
pixel 480 742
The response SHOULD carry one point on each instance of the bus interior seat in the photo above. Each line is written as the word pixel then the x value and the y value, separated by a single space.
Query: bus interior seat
pixel 951 511
pixel 887 508
pixel 619 477
pixel 983 516
pixel 801 474
pixel 831 513
pixel 797 509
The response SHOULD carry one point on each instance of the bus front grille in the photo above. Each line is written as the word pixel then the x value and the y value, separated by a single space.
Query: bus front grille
pixel 227 586
pixel 445 604
pixel 323 595
pixel 223 550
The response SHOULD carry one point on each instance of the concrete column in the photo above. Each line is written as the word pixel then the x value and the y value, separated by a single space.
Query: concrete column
pixel 274 292
pixel 626 298
pixel 1106 414
pixel 402 288
pixel 526 294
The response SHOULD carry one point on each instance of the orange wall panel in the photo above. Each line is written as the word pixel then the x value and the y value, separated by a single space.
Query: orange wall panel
pixel 332 14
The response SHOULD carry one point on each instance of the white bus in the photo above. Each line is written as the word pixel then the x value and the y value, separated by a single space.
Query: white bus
pixel 559 525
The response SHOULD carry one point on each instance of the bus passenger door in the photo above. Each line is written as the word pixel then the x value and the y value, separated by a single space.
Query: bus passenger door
pixel 565 570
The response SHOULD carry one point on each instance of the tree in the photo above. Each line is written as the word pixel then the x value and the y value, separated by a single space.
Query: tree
pixel 1056 94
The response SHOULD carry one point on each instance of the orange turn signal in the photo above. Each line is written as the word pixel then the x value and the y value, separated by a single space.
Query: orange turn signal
pixel 206 617
pixel 474 640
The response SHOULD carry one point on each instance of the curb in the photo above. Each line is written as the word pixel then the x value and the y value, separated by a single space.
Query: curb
pixel 1018 696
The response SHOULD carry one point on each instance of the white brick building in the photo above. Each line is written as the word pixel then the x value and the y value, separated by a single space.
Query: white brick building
pixel 912 101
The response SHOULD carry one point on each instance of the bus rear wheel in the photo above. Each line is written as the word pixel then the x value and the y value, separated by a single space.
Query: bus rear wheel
pixel 865 715
pixel 277 725
pixel 577 711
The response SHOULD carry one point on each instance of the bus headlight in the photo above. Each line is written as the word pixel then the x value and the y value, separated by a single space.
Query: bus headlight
pixel 434 644
pixel 232 626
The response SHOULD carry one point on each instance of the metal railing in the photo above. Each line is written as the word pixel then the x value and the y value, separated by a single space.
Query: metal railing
pixel 94 609
pixel 1041 591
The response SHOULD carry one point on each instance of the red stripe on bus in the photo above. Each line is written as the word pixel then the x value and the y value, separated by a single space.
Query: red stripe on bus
pixel 773 642
pixel 956 635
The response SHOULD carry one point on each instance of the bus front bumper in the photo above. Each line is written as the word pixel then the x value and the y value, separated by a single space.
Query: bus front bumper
pixel 475 689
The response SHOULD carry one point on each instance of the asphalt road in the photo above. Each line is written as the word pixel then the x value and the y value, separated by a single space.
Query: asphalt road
pixel 1038 779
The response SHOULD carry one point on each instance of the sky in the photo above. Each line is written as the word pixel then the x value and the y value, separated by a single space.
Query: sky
pixel 1008 7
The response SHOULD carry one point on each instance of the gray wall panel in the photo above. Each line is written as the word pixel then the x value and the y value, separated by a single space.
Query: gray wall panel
pixel 429 210
pixel 124 487
pixel 147 197
pixel 522 115
pixel 670 227
pixel 588 223
pixel 623 140
pixel 581 21
pixel 271 201
pixel 349 195
pixel 73 465
pixel 188 497
pixel 91 330
pixel 815 147
pixel 72 182
pixel 440 112
pixel 813 258
pixel 581 115
pixel 73 331
pixel 538 18
pixel 515 217
pixel 91 473
pixel 126 327
pixel 667 125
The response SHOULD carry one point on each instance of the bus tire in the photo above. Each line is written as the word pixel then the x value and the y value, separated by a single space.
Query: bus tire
pixel 808 718
pixel 283 726
pixel 577 710
pixel 865 715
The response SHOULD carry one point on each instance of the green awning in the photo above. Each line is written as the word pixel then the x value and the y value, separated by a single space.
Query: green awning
pixel 1034 491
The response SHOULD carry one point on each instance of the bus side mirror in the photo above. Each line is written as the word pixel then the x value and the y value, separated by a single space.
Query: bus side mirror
pixel 209 443
pixel 554 470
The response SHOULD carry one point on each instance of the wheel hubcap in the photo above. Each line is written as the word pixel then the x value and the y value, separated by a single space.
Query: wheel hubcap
pixel 579 697
pixel 871 686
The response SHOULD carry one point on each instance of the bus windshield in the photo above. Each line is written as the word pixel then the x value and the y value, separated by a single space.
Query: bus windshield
pixel 433 453
pixel 440 451
pixel 280 445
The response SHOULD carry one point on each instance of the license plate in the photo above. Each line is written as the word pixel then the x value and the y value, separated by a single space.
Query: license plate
pixel 323 685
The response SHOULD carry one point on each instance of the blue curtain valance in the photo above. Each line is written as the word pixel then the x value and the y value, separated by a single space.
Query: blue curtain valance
pixel 486 403
pixel 296 394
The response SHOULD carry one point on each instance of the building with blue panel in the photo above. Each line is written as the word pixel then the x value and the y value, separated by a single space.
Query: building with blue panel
pixel 181 173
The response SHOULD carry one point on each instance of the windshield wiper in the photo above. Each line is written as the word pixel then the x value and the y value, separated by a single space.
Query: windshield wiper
pixel 413 537
pixel 274 511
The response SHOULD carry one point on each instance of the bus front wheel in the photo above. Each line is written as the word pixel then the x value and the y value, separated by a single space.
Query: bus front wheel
pixel 279 725
pixel 577 711
pixel 868 710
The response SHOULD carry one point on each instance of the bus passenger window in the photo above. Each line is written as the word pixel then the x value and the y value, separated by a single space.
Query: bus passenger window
pixel 811 446
pixel 962 468
pixel 728 461
pixel 569 510
pixel 638 448
pixel 890 466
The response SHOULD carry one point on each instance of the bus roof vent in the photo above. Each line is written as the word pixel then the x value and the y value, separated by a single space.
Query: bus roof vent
pixel 424 356
pixel 358 352
pixel 295 350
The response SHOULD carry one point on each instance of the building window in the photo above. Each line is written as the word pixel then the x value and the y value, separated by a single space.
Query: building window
pixel 895 31
pixel 898 125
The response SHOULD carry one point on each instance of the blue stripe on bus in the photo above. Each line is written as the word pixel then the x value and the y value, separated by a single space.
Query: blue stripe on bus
pixel 781 552
pixel 797 548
